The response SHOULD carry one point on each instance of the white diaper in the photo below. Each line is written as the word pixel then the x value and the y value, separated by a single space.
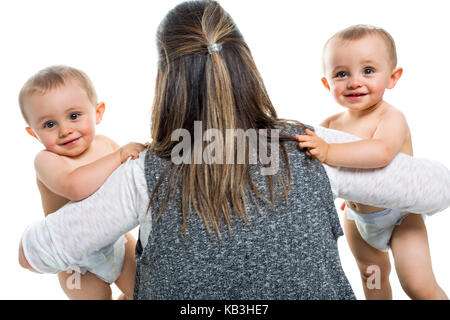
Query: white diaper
pixel 376 228
pixel 105 263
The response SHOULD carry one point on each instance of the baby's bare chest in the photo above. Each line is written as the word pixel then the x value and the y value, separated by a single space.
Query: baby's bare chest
pixel 362 129
pixel 97 150
pixel 366 128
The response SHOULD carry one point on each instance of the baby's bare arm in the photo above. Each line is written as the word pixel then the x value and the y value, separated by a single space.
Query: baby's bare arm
pixel 75 184
pixel 78 183
pixel 376 152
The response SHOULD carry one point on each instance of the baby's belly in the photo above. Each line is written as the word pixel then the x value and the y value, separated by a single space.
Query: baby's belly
pixel 363 208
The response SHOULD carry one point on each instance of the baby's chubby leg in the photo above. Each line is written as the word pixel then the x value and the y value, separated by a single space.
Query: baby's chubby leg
pixel 125 282
pixel 90 287
pixel 84 287
pixel 409 244
pixel 374 265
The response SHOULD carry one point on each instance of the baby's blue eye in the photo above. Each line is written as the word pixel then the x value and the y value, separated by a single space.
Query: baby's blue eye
pixel 368 71
pixel 341 74
pixel 49 124
pixel 74 116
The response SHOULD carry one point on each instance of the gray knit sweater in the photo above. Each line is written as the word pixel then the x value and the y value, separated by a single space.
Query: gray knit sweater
pixel 287 253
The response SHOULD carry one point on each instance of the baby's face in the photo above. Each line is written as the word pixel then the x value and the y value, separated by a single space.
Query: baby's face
pixel 63 119
pixel 358 71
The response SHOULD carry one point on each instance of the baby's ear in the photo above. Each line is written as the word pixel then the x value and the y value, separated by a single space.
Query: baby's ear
pixel 99 111
pixel 325 83
pixel 30 132
pixel 395 76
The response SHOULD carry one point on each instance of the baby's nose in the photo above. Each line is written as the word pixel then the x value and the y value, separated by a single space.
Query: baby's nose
pixel 354 82
pixel 65 130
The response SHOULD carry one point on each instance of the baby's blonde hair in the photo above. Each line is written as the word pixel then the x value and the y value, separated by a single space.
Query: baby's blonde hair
pixel 51 78
pixel 360 31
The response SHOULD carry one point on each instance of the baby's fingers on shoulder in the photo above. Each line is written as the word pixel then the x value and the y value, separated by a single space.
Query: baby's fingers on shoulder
pixel 141 147
pixel 300 137
pixel 133 154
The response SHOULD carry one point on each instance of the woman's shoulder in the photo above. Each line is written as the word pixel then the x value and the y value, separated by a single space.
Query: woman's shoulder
pixel 154 164
pixel 291 128
pixel 301 166
pixel 288 129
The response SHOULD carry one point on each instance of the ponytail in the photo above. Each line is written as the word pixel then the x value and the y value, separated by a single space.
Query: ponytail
pixel 206 73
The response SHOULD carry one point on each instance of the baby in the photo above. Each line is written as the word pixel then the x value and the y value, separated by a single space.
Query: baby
pixel 59 105
pixel 359 63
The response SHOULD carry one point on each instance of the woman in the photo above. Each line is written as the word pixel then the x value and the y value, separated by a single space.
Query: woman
pixel 226 229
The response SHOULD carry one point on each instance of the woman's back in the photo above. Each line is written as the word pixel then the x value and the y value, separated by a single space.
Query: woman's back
pixel 286 253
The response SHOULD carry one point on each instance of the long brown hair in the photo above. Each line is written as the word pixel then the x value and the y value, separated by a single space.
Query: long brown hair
pixel 224 90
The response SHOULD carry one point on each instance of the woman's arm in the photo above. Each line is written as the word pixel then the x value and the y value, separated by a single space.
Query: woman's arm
pixel 67 236
pixel 407 183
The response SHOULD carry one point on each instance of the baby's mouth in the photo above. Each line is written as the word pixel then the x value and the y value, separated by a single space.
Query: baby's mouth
pixel 69 142
pixel 355 95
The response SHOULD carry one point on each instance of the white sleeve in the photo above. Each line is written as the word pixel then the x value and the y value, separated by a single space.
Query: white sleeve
pixel 79 228
pixel 407 183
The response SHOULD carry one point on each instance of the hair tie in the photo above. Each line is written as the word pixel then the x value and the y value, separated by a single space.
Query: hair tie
pixel 215 47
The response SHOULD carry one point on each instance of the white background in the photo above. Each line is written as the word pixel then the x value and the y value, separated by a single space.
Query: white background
pixel 114 43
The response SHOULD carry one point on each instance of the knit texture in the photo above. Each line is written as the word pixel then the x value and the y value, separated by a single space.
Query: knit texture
pixel 287 253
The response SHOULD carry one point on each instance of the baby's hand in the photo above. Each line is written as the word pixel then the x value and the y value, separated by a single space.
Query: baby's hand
pixel 316 145
pixel 132 150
